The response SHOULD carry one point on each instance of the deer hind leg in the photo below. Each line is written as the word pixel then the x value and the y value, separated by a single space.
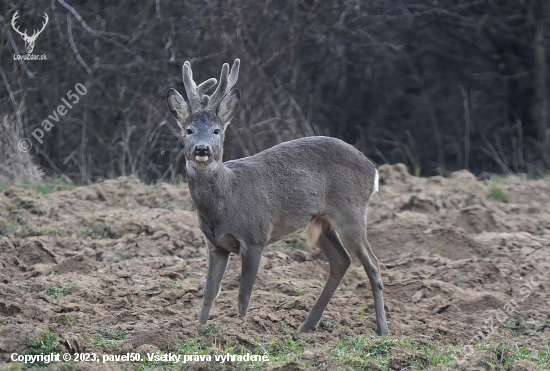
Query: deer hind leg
pixel 354 237
pixel 324 236
pixel 250 257
pixel 370 263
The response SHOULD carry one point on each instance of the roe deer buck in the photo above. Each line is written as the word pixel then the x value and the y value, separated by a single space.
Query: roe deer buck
pixel 320 183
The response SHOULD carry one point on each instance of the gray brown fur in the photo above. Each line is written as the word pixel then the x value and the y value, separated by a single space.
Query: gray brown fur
pixel 320 184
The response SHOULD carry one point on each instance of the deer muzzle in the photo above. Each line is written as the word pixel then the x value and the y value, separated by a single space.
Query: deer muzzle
pixel 202 153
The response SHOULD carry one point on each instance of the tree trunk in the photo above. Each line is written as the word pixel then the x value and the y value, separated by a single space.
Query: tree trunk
pixel 542 104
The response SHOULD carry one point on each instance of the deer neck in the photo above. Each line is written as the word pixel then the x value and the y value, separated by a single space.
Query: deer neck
pixel 208 186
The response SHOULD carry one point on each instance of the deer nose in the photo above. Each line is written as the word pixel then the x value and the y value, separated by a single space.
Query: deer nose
pixel 202 150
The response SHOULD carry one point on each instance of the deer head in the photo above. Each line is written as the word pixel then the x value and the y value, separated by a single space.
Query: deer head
pixel 29 40
pixel 204 118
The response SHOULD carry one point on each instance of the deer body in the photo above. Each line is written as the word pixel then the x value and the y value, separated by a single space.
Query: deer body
pixel 313 173
pixel 318 183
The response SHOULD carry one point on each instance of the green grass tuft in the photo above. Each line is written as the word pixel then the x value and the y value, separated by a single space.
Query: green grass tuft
pixel 47 343
pixel 292 243
pixel 56 291
pixel 209 330
pixel 53 185
pixel 327 325
pixel 44 187
pixel 498 194
pixel 507 354
pixel 108 337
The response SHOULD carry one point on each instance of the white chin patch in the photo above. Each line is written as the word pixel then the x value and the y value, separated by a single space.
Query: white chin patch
pixel 201 158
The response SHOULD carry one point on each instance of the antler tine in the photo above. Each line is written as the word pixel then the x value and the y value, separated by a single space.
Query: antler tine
pixel 227 81
pixel 203 88
pixel 46 18
pixel 190 87
pixel 206 85
pixel 15 16
pixel 16 28
pixel 218 94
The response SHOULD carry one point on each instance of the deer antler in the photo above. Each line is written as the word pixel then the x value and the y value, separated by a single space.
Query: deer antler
pixel 195 94
pixel 36 32
pixel 226 83
pixel 198 100
pixel 16 28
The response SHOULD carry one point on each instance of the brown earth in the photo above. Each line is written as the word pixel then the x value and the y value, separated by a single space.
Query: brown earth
pixel 132 260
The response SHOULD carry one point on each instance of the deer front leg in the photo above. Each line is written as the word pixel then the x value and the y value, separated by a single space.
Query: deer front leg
pixel 216 267
pixel 250 257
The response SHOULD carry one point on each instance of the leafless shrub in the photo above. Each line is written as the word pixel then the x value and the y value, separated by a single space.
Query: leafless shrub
pixel 16 166
pixel 350 69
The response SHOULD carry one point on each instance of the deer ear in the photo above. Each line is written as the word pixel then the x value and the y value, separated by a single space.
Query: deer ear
pixel 178 107
pixel 228 106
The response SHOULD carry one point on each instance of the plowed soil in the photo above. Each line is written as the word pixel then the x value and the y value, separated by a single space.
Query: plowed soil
pixel 121 257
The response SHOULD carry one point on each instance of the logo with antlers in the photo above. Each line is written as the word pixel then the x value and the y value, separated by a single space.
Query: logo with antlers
pixel 29 40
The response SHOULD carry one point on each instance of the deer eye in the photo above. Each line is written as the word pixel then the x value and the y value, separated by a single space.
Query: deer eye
pixel 188 131
pixel 216 131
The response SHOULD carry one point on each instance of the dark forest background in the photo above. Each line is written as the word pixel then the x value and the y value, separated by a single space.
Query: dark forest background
pixel 440 85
